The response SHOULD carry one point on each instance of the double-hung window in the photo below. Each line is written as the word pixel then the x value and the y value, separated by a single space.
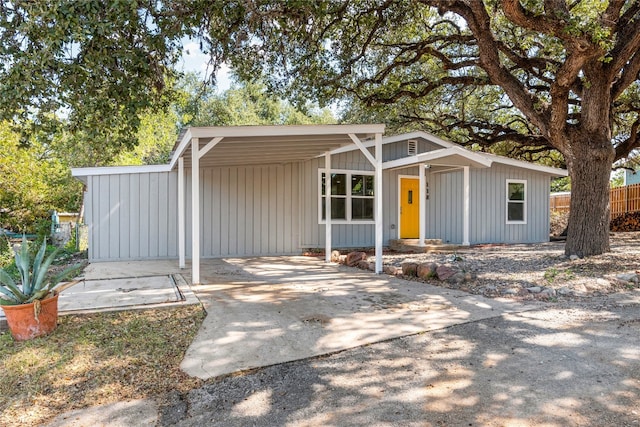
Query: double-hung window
pixel 352 196
pixel 516 201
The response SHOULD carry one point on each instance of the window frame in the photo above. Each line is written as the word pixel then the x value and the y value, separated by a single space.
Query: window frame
pixel 348 197
pixel 523 201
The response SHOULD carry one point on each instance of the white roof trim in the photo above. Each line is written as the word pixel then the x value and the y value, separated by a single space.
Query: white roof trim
pixel 118 170
pixel 270 130
pixel 526 165
pixel 476 159
pixel 396 138
pixel 446 144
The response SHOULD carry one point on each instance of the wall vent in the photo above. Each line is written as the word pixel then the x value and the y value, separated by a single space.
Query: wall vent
pixel 412 147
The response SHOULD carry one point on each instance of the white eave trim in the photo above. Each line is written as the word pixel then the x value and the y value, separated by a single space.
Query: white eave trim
pixel 396 138
pixel 477 160
pixel 118 170
pixel 526 165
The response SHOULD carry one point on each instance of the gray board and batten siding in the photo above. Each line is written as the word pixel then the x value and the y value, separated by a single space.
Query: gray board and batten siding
pixel 273 209
pixel 252 211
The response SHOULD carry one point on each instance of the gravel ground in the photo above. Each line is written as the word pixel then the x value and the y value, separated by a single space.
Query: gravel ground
pixel 523 272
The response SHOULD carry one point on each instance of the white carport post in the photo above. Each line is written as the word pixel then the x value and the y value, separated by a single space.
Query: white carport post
pixel 327 211
pixel 195 211
pixel 466 205
pixel 181 211
pixel 377 164
pixel 378 198
pixel 196 155
pixel 423 201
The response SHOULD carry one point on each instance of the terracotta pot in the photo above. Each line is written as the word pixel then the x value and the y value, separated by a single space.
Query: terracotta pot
pixel 22 320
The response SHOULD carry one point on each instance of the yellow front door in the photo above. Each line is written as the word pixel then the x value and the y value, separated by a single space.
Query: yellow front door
pixel 409 208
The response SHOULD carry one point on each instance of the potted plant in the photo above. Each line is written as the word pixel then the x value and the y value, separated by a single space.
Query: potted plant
pixel 31 306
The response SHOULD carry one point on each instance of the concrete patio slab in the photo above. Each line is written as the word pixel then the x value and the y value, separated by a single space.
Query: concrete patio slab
pixel 265 311
pixel 125 293
pixel 117 286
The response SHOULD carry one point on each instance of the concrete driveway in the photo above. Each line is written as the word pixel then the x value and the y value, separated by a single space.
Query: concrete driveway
pixel 265 311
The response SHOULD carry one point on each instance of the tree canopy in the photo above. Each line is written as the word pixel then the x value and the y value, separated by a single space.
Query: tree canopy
pixel 100 64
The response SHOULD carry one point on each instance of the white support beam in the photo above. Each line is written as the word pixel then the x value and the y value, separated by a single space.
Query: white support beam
pixel 181 216
pixel 209 146
pixel 423 203
pixel 195 212
pixel 362 148
pixel 378 201
pixel 327 214
pixel 466 206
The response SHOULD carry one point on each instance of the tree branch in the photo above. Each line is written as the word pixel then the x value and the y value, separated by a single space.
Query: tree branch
pixel 632 142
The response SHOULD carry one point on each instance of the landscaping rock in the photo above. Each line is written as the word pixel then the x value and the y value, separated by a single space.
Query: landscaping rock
pixel 410 269
pixel 335 256
pixel 372 266
pixel 564 291
pixel 628 277
pixel 509 291
pixel 353 258
pixel 548 293
pixel 427 270
pixel 456 279
pixel 363 265
pixel 391 270
pixel 574 257
pixel 444 272
pixel 534 289
pixel 342 259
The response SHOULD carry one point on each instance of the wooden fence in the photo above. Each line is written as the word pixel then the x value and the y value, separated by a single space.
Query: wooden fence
pixel 621 199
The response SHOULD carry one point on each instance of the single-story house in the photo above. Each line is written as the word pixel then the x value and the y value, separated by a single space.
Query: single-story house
pixel 268 190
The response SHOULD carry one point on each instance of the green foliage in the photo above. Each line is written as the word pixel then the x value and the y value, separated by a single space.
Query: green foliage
pixel 6 252
pixel 34 282
pixel 559 185
pixel 99 63
pixel 617 178
pixel 35 181
pixel 245 103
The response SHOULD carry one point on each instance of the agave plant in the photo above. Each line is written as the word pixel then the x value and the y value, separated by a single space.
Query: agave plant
pixel 35 284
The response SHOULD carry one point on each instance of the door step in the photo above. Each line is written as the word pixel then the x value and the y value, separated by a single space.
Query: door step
pixel 430 245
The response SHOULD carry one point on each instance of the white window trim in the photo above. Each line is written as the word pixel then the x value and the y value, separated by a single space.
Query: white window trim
pixel 524 202
pixel 349 173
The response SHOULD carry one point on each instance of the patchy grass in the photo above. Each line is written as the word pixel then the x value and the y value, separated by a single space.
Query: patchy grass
pixel 95 359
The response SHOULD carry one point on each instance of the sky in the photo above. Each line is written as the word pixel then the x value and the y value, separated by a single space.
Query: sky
pixel 196 61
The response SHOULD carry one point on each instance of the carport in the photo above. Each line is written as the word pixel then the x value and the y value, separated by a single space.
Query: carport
pixel 202 147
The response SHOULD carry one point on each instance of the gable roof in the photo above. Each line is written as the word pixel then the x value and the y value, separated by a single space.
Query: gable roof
pixel 471 158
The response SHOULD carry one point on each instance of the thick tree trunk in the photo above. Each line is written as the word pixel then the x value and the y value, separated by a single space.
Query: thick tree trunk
pixel 589 169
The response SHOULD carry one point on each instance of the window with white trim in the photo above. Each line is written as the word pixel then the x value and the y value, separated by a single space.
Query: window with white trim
pixel 352 197
pixel 516 201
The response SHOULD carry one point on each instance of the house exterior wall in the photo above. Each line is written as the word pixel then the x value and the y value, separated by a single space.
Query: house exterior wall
pixel 132 216
pixel 247 211
pixel 631 178
pixel 353 235
pixel 273 209
pixel 244 211
pixel 488 206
